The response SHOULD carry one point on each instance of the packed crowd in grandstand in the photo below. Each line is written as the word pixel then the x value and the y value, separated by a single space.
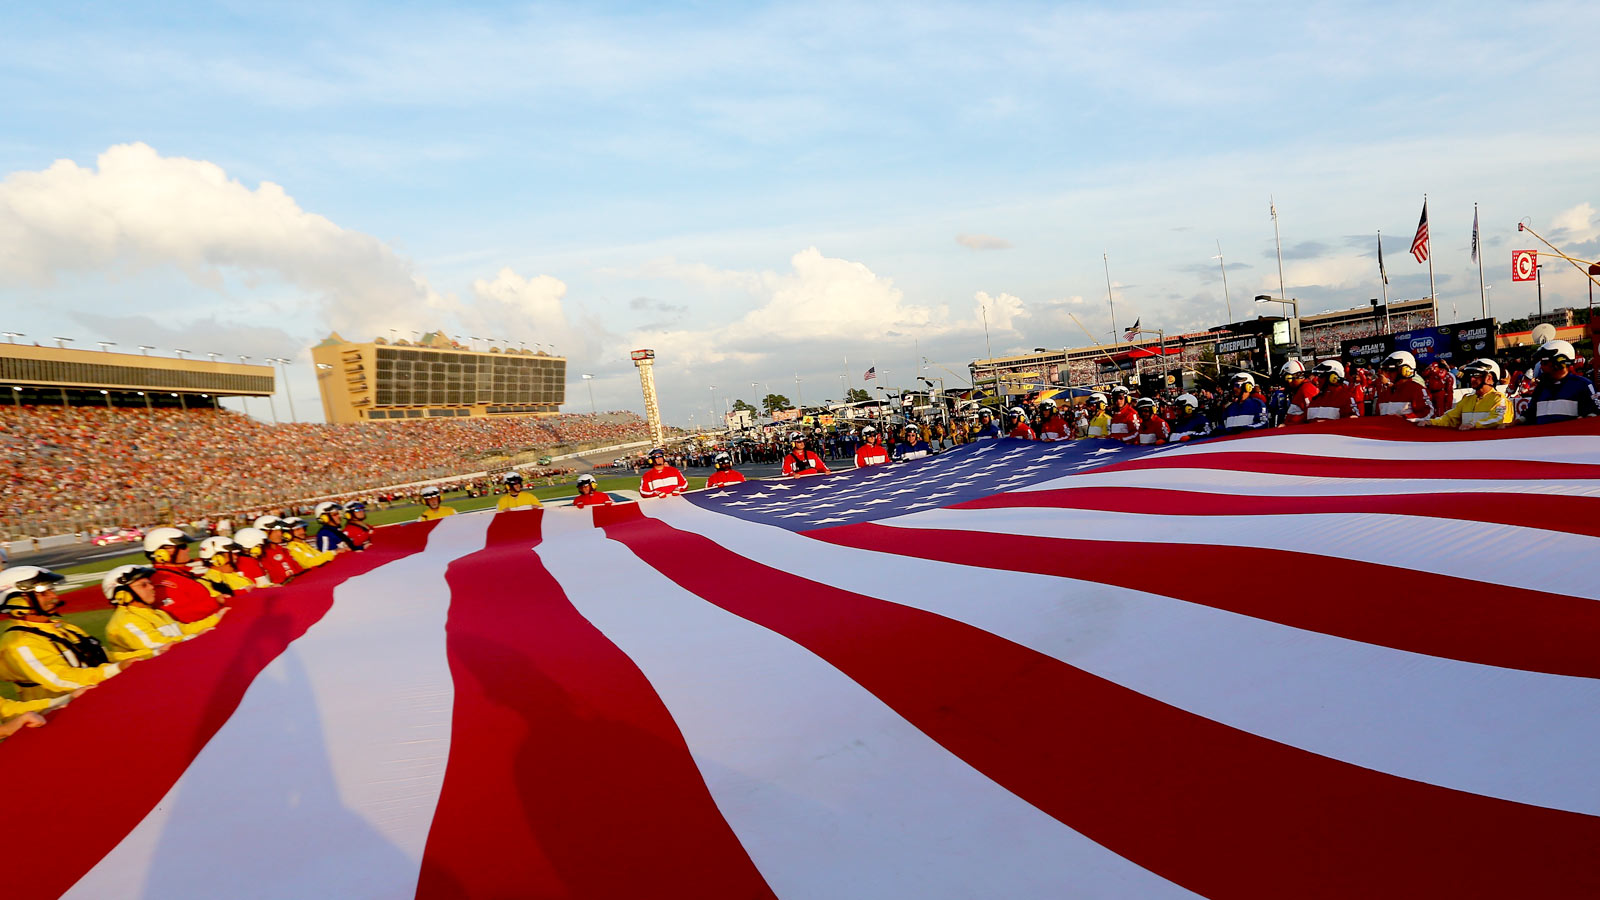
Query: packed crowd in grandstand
pixel 85 464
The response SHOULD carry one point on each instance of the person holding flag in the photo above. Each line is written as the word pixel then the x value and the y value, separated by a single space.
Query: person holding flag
pixel 1017 423
pixel 987 429
pixel 1302 391
pixel 355 524
pixel 516 497
pixel 1125 420
pixel 589 493
pixel 661 479
pixel 1051 426
pixel 1484 408
pixel 871 452
pixel 724 474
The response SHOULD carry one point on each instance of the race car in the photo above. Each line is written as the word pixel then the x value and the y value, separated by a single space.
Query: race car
pixel 119 536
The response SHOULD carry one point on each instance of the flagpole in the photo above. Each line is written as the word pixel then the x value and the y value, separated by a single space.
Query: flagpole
pixel 1383 277
pixel 1483 294
pixel 1283 295
pixel 1433 293
pixel 1109 298
pixel 849 382
pixel 1225 296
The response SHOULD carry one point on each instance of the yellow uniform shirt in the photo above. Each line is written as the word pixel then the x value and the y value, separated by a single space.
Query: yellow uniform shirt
pixel 1472 413
pixel 308 556
pixel 236 582
pixel 1099 426
pixel 10 709
pixel 137 631
pixel 41 668
pixel 441 512
pixel 519 500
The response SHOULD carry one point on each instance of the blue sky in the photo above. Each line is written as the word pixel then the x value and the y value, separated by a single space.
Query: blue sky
pixel 762 191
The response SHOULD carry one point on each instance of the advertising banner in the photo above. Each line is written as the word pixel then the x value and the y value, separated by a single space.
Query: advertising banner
pixel 1454 344
pixel 785 415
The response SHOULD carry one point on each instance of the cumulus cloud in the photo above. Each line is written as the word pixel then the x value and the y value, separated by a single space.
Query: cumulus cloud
pixel 983 242
pixel 1575 224
pixel 136 209
pixel 824 299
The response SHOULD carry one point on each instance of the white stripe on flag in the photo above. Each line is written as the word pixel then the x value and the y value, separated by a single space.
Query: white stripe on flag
pixel 1459 725
pixel 324 781
pixel 1306 442
pixel 832 793
pixel 1472 550
pixel 1269 484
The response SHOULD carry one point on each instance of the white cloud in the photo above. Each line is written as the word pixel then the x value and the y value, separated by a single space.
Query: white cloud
pixel 1576 224
pixel 826 299
pixel 137 209
pixel 983 242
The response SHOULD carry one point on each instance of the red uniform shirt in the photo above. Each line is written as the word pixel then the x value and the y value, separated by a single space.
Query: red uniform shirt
pixel 249 567
pixel 663 482
pixel 809 464
pixel 359 533
pixel 593 498
pixel 871 455
pixel 721 477
pixel 1125 424
pixel 1441 389
pixel 1155 430
pixel 279 563
pixel 1023 431
pixel 1341 401
pixel 182 595
pixel 1404 398
pixel 1300 401
pixel 1054 429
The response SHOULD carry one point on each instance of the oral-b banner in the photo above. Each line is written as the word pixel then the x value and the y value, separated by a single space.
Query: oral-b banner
pixel 1456 344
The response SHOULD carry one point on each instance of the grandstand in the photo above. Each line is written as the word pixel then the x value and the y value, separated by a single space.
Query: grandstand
pixel 1322 333
pixel 434 377
pixel 36 375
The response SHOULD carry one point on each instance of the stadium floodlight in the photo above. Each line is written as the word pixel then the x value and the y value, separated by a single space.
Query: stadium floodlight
pixel 243 360
pixel 182 352
pixel 105 344
pixel 210 354
pixel 62 342
pixel 145 349
pixel 11 336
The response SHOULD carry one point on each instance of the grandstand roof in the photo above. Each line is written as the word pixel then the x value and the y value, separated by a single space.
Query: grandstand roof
pixel 32 366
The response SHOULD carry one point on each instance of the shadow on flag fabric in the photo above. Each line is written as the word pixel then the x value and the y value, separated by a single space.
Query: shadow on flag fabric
pixel 1351 660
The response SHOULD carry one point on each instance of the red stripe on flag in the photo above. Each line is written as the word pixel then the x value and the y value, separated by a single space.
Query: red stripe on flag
pixel 1549 512
pixel 1421 612
pixel 1220 811
pixel 1396 429
pixel 157 716
pixel 1336 467
pixel 567 775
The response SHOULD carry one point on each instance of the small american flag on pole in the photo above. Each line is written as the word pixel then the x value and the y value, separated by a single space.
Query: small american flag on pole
pixel 1419 244
pixel 870 374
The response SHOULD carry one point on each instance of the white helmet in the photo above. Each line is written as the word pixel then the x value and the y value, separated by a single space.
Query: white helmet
pixel 1120 389
pixel 1329 367
pixel 215 544
pixel 512 476
pixel 164 537
pixel 1244 378
pixel 118 579
pixel 1190 399
pixel 28 578
pixel 796 436
pixel 1017 412
pixel 1046 403
pixel 250 538
pixel 586 478
pixel 1482 367
pixel 265 523
pixel 723 457
pixel 1292 367
pixel 868 431
pixel 1097 397
pixel 295 522
pixel 911 428
pixel 1145 401
pixel 1400 359
pixel 431 490
pixel 1560 351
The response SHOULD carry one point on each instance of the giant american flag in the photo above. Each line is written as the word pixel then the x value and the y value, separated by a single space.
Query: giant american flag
pixel 1352 661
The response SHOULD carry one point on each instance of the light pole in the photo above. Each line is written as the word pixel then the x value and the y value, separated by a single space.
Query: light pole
pixel 1294 325
pixel 283 367
pixel 182 352
pixel 62 342
pixel 11 336
pixel 589 380
pixel 145 349
pixel 105 344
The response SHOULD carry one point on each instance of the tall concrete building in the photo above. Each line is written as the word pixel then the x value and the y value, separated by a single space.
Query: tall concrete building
pixel 434 377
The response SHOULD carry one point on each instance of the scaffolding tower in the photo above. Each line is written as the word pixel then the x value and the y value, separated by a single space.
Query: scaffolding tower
pixel 645 361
